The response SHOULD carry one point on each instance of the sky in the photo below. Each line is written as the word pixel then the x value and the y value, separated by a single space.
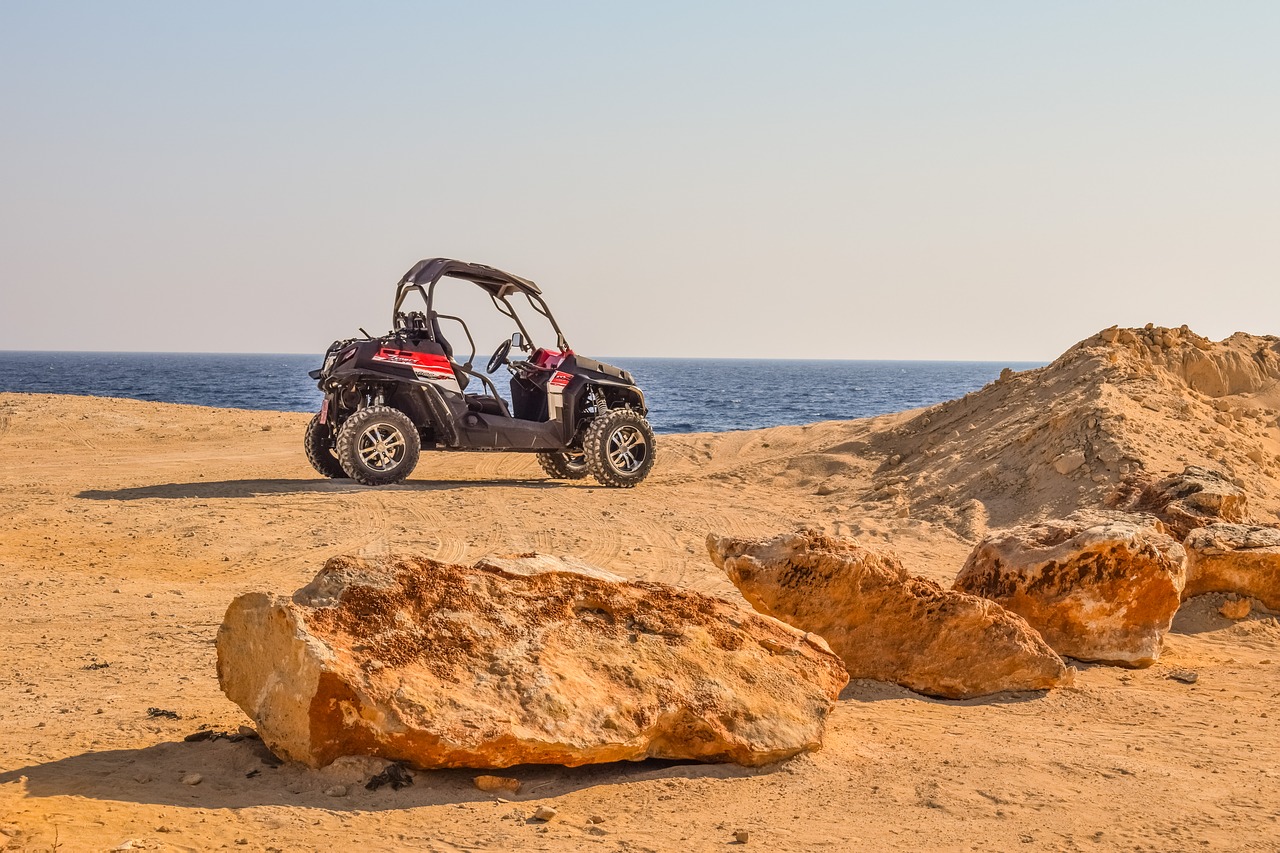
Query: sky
pixel 862 180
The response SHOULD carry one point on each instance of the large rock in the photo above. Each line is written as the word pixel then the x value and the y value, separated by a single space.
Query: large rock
pixel 1239 558
pixel 884 623
pixel 1097 589
pixel 524 660
pixel 1195 498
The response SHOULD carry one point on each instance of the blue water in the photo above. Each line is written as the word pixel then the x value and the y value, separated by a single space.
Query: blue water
pixel 684 395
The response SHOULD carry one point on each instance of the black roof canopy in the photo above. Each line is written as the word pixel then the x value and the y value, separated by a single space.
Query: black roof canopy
pixel 497 282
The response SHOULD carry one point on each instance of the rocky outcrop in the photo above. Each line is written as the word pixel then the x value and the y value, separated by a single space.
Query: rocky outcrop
pixel 523 660
pixel 884 623
pixel 1097 589
pixel 1195 498
pixel 1239 558
pixel 1240 364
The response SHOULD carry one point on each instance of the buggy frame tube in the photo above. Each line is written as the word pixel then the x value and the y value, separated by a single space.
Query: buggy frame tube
pixel 496 282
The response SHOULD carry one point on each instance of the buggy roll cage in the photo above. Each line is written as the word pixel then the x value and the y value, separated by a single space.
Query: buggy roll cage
pixel 424 275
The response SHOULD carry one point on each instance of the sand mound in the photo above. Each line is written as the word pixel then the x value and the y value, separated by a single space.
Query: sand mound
pixel 1112 414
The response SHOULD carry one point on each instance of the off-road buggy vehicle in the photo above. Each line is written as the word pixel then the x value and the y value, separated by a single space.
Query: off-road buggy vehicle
pixel 388 398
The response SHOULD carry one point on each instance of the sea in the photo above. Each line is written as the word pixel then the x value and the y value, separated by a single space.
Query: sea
pixel 683 394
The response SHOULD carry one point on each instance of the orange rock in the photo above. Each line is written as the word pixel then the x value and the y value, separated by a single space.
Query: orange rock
pixel 1097 589
pixel 492 784
pixel 1239 558
pixel 885 624
pixel 529 660
pixel 1235 608
pixel 1195 498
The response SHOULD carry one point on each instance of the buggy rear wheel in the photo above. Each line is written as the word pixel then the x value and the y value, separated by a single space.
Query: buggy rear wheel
pixel 619 446
pixel 318 443
pixel 378 446
pixel 565 465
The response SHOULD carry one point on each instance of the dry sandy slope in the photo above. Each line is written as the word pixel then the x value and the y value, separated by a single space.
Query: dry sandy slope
pixel 127 527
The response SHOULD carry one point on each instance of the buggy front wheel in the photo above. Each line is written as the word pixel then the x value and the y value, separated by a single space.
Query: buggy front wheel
pixel 378 446
pixel 618 446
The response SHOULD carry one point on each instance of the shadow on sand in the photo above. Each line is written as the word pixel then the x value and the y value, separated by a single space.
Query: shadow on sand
pixel 1200 615
pixel 865 690
pixel 242 774
pixel 256 488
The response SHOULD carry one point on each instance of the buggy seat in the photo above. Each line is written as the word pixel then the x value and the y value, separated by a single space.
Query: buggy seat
pixel 440 339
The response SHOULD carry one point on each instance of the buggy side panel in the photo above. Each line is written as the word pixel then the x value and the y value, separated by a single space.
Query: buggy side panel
pixel 426 406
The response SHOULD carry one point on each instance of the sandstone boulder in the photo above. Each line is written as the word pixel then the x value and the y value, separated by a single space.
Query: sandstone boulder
pixel 884 623
pixel 524 660
pixel 1194 498
pixel 1097 589
pixel 1239 558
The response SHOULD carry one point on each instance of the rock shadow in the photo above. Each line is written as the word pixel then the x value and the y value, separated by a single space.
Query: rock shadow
pixel 865 691
pixel 257 488
pixel 244 774
pixel 1199 615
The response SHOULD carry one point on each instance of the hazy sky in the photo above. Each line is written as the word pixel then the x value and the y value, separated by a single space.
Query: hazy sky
pixel 986 180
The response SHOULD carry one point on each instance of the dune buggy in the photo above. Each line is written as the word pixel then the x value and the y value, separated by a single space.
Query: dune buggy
pixel 390 397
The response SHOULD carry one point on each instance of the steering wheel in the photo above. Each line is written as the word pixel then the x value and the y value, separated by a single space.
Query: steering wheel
pixel 499 356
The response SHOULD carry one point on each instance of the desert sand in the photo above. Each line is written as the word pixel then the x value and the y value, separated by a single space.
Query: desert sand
pixel 126 528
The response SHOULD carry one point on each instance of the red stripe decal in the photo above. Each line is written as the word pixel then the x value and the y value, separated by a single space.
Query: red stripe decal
pixel 423 360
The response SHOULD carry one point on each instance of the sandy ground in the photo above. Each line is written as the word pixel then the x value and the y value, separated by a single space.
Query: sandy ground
pixel 126 528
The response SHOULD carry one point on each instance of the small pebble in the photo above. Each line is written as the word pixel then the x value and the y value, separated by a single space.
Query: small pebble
pixel 192 779
pixel 544 813
pixel 1186 676
pixel 595 818
pixel 336 791
pixel 741 836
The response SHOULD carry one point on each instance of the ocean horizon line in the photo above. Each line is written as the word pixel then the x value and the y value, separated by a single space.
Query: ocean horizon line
pixel 320 355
